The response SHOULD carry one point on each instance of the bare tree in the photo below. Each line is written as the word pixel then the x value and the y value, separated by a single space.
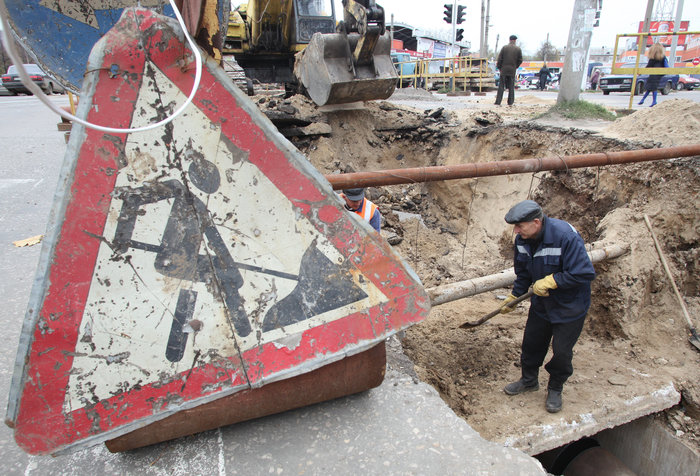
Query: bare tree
pixel 547 52
pixel 5 60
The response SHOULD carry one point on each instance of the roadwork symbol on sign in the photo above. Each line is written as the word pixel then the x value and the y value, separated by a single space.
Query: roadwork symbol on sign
pixel 191 261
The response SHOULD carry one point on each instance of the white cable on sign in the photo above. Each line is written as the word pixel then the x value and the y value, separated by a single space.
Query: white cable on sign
pixel 36 90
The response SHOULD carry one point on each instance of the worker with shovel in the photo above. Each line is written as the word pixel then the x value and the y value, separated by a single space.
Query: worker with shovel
pixel 551 257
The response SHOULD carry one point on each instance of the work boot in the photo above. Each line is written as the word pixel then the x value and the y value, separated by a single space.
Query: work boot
pixel 520 386
pixel 553 402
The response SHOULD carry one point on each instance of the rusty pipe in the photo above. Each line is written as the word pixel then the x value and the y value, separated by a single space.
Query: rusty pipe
pixel 505 167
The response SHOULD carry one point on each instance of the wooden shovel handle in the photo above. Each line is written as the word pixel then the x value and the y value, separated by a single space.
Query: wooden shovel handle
pixel 488 316
pixel 662 258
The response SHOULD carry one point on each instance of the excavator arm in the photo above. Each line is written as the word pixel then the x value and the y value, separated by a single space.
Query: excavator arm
pixel 367 19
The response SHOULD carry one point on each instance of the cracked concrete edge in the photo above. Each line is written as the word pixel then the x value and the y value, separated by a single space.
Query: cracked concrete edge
pixel 439 425
pixel 542 438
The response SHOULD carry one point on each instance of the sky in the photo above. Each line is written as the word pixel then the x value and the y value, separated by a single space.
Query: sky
pixel 529 20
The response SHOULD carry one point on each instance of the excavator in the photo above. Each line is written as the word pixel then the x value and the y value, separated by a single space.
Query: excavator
pixel 296 42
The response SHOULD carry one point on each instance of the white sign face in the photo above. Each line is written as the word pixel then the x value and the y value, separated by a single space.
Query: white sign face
pixel 154 266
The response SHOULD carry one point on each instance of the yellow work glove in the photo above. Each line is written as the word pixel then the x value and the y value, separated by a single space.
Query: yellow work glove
pixel 504 307
pixel 542 286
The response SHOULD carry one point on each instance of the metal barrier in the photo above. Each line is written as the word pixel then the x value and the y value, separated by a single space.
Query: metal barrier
pixel 636 71
pixel 457 73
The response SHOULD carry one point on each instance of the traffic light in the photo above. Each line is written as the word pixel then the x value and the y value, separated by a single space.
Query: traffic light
pixel 459 36
pixel 448 13
pixel 460 14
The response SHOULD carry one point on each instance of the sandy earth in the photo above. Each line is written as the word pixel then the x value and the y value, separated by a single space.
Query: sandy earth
pixel 635 338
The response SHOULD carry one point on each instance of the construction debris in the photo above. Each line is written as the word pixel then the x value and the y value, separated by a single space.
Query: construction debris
pixel 454 230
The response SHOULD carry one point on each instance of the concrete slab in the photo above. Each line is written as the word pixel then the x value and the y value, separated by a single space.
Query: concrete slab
pixel 538 438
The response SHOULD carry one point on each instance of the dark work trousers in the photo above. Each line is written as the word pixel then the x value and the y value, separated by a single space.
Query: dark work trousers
pixel 506 82
pixel 538 334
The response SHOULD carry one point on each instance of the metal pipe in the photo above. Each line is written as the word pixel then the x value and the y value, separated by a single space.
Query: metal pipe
pixel 505 167
pixel 471 287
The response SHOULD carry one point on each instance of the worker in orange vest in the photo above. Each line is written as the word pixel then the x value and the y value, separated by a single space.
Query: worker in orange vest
pixel 355 201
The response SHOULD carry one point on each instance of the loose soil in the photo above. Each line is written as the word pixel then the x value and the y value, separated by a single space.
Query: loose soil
pixel 635 337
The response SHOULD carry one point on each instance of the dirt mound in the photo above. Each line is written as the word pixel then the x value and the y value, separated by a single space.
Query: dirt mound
pixel 449 231
pixel 673 122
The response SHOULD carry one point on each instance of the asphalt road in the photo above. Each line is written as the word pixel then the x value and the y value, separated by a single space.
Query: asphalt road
pixel 401 427
pixel 613 100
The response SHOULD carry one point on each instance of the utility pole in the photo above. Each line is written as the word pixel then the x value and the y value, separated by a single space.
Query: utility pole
pixel 676 29
pixel 486 27
pixel 495 48
pixel 546 48
pixel 575 66
pixel 482 43
pixel 391 34
pixel 647 21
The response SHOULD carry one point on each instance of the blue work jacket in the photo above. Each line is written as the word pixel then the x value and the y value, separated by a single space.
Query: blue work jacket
pixel 560 252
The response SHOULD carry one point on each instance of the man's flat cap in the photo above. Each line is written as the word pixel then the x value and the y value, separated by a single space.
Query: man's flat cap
pixel 354 194
pixel 524 211
pixel 513 37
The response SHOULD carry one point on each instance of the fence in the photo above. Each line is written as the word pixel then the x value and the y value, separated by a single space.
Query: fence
pixel 460 73
pixel 636 70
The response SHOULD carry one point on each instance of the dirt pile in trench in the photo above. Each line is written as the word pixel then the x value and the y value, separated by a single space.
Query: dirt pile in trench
pixel 635 336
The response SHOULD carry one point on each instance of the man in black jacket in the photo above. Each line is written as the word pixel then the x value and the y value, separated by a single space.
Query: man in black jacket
pixel 551 257
pixel 509 59
pixel 544 76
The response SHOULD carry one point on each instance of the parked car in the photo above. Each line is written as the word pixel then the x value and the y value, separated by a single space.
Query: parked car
pixel 523 80
pixel 533 82
pixel 623 82
pixel 686 81
pixel 12 82
pixel 405 68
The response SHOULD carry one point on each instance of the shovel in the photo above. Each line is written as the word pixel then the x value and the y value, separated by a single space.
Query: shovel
pixel 693 339
pixel 488 316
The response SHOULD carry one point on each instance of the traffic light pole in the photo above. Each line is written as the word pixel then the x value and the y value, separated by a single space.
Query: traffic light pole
pixel 454 22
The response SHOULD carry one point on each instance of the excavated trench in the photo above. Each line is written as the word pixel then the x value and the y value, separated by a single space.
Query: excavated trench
pixel 633 358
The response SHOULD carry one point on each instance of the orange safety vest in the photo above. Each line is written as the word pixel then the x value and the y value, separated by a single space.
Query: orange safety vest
pixel 367 210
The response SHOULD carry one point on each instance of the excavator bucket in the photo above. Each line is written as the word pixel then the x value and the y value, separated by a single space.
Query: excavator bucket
pixel 330 76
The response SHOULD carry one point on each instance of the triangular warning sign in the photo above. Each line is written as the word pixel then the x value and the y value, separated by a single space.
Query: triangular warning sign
pixel 190 261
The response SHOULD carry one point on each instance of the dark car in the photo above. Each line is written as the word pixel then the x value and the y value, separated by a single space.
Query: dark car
pixel 623 82
pixel 12 82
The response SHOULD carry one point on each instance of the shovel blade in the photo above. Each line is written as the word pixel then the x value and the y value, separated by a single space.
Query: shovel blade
pixel 694 339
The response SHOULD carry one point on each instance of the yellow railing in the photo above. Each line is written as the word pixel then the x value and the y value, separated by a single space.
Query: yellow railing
pixel 641 46
pixel 461 72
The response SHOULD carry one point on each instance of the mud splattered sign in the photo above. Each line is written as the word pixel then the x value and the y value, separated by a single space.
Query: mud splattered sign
pixel 189 262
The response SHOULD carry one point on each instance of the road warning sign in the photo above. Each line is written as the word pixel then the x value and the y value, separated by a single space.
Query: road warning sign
pixel 191 261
